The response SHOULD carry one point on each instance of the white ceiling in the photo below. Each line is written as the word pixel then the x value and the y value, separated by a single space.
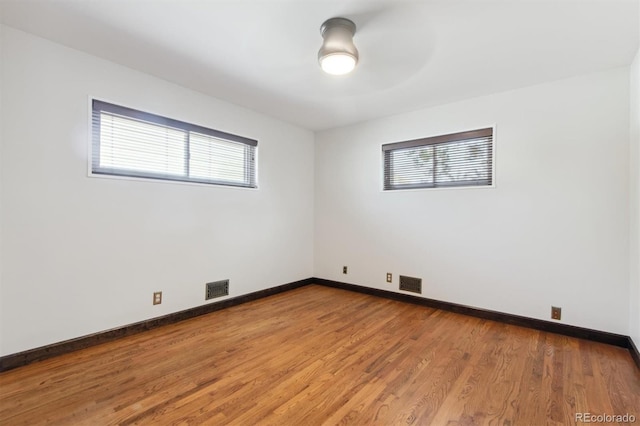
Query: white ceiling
pixel 261 54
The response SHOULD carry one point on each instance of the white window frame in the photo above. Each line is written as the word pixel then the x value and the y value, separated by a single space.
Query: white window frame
pixel 100 109
pixel 388 187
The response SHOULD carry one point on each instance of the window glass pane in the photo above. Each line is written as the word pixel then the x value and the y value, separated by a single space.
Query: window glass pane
pixel 216 159
pixel 135 145
pixel 412 166
pixel 463 161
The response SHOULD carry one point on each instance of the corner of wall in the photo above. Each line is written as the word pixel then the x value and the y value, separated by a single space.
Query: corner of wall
pixel 1 127
pixel 634 201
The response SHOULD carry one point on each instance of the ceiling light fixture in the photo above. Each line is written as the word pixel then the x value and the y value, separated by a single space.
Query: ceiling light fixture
pixel 338 55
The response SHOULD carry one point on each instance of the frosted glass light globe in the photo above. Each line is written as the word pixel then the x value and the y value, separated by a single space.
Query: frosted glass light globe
pixel 338 64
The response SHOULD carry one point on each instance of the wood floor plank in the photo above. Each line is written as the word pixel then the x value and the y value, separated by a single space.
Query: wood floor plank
pixel 318 355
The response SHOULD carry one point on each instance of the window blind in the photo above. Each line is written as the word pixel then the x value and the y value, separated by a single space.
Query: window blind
pixel 128 142
pixel 458 159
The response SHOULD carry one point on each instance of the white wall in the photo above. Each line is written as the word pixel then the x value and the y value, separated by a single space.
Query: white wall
pixel 554 231
pixel 634 197
pixel 1 174
pixel 85 254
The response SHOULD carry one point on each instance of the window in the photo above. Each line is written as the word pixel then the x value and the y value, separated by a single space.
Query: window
pixel 127 142
pixel 459 159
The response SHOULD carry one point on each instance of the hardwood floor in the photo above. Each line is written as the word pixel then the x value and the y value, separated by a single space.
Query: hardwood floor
pixel 319 355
